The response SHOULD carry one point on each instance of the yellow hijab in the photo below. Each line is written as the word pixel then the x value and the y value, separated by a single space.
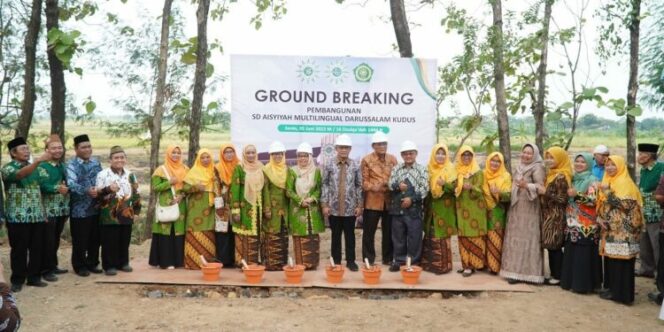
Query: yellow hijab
pixel 437 171
pixel 621 184
pixel 464 171
pixel 562 165
pixel 225 168
pixel 204 175
pixel 277 172
pixel 176 169
pixel 254 180
pixel 499 178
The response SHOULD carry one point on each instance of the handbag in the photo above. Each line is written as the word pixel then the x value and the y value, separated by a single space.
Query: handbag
pixel 168 213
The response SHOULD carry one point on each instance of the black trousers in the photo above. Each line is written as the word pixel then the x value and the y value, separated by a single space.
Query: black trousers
pixel 225 244
pixel 660 267
pixel 556 263
pixel 345 225
pixel 407 238
pixel 85 242
pixel 115 241
pixel 369 225
pixel 52 232
pixel 27 247
pixel 621 279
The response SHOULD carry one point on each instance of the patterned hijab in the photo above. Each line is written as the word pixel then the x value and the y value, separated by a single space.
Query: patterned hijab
pixel 561 165
pixel 524 168
pixel 225 168
pixel 499 178
pixel 445 171
pixel 621 184
pixel 277 171
pixel 582 180
pixel 204 175
pixel 254 180
pixel 305 178
pixel 464 171
pixel 176 169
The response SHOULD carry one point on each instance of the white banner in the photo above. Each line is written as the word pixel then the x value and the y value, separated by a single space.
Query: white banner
pixel 314 99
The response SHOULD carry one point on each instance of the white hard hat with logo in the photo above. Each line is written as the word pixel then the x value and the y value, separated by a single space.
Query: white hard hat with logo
pixel 277 146
pixel 378 137
pixel 305 148
pixel 408 146
pixel 343 140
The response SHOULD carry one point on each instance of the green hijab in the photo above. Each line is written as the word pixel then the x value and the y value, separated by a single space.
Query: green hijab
pixel 583 180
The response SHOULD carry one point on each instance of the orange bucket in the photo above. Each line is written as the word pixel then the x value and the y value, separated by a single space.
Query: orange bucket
pixel 294 274
pixel 334 274
pixel 253 274
pixel 411 277
pixel 211 271
pixel 371 276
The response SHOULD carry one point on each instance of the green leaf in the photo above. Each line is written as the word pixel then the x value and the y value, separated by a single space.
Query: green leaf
pixel 78 71
pixel 554 116
pixel 188 58
pixel 90 106
pixel 635 111
pixel 566 105
pixel 213 106
pixel 602 89
pixel 209 70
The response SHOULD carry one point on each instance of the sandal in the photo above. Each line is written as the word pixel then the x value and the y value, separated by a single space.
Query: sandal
pixel 467 273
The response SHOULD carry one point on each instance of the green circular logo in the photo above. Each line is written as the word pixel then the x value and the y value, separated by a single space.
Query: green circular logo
pixel 363 73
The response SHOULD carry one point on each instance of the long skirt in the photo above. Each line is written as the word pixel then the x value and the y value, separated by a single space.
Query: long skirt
pixel 473 252
pixel 247 248
pixel 197 244
pixel 494 249
pixel 582 267
pixel 437 255
pixel 621 279
pixel 274 251
pixel 307 250
pixel 167 250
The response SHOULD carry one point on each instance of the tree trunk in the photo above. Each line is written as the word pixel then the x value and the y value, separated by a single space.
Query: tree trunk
pixel 633 85
pixel 199 80
pixel 401 29
pixel 29 94
pixel 499 84
pixel 158 112
pixel 58 87
pixel 540 130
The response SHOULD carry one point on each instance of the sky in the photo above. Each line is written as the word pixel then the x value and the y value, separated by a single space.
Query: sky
pixel 362 29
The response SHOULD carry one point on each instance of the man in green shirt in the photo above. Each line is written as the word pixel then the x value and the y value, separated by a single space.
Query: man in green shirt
pixel 25 214
pixel 55 196
pixel 651 171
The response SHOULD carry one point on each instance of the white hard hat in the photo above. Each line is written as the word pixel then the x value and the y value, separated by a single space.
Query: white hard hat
pixel 305 147
pixel 378 137
pixel 408 146
pixel 277 146
pixel 343 140
pixel 601 149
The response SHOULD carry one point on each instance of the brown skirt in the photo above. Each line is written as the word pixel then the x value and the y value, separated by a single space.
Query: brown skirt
pixel 307 250
pixel 197 244
pixel 246 247
pixel 274 251
pixel 437 255
pixel 494 249
pixel 473 252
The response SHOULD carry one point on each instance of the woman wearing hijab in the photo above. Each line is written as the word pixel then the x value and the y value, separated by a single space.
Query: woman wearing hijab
pixel 497 191
pixel 471 212
pixel 440 221
pixel 582 266
pixel 554 205
pixel 200 187
pixel 522 253
pixel 225 239
pixel 620 217
pixel 247 205
pixel 274 250
pixel 303 188
pixel 167 247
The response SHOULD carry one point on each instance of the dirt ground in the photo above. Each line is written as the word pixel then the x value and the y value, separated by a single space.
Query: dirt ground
pixel 80 304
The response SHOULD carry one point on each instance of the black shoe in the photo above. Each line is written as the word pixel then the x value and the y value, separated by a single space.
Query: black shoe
pixel 656 297
pixel 126 268
pixel 395 267
pixel 83 273
pixel 111 272
pixel 352 266
pixel 58 270
pixel 16 288
pixel 512 281
pixel 642 274
pixel 50 277
pixel 606 295
pixel 37 283
pixel 95 270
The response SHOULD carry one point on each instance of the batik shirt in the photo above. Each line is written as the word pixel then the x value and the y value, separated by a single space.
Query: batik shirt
pixel 648 180
pixel 417 179
pixel 342 197
pixel 81 176
pixel 23 200
pixel 55 203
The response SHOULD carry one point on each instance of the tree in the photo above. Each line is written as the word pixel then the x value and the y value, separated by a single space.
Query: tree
pixel 199 79
pixel 540 109
pixel 29 94
pixel 633 85
pixel 58 86
pixel 401 29
pixel 499 83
